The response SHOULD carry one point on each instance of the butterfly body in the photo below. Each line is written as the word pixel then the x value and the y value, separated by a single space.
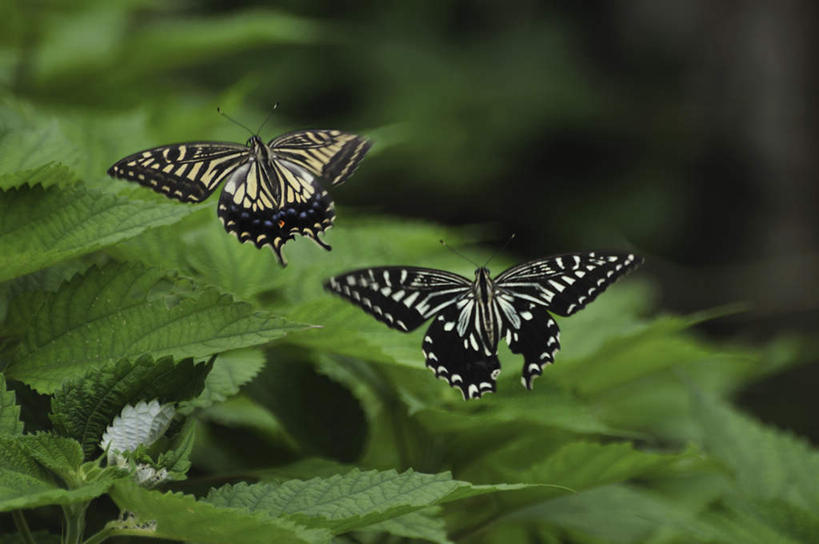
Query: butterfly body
pixel 471 317
pixel 272 192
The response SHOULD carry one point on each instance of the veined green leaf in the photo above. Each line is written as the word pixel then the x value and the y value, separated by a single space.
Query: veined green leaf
pixel 181 517
pixel 83 408
pixel 26 483
pixel 347 502
pixel 768 464
pixel 425 525
pixel 114 312
pixel 9 411
pixel 230 371
pixel 40 227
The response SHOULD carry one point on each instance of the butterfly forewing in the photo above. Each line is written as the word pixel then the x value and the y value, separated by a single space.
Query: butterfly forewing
pixel 330 154
pixel 187 172
pixel 567 283
pixel 401 297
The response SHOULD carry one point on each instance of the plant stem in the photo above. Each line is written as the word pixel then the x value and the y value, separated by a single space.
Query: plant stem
pixel 74 522
pixel 22 526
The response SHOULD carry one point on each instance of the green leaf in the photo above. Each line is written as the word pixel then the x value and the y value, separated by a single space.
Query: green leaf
pixel 117 312
pixel 41 227
pixel 45 176
pixel 83 408
pixel 176 459
pixel 346 502
pixel 59 454
pixel 182 517
pixel 768 464
pixel 426 525
pixel 26 483
pixel 230 371
pixel 9 411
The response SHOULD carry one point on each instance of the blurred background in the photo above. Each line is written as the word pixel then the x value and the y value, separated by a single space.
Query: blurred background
pixel 686 130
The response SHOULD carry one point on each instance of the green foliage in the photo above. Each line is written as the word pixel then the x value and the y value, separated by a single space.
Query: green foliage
pixel 181 517
pixel 119 311
pixel 325 422
pixel 10 423
pixel 83 408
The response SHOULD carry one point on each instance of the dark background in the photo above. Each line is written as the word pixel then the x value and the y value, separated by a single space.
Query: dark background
pixel 683 129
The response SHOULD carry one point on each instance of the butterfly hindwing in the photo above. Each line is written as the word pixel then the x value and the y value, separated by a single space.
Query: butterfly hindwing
pixel 258 205
pixel 329 154
pixel 452 356
pixel 401 297
pixel 567 283
pixel 188 172
pixel 535 335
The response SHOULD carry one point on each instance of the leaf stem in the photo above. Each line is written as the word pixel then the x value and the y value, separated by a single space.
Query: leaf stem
pixel 22 526
pixel 74 522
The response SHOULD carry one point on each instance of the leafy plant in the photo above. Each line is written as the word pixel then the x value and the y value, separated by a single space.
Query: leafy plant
pixel 153 366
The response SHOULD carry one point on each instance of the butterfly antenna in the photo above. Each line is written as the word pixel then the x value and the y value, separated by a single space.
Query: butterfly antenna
pixel 266 119
pixel 499 251
pixel 232 120
pixel 459 254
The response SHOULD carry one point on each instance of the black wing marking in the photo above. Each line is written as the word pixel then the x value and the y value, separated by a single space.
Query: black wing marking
pixel 329 154
pixel 530 331
pixel 401 297
pixel 458 357
pixel 259 205
pixel 565 284
pixel 188 172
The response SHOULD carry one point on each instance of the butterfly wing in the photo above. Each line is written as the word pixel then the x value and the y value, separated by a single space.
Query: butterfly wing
pixel 401 297
pixel 455 354
pixel 260 205
pixel 329 154
pixel 188 172
pixel 564 285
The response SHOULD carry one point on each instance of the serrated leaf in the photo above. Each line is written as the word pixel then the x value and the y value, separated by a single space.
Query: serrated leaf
pixel 9 411
pixel 45 175
pixel 176 459
pixel 768 464
pixel 59 454
pixel 83 408
pixel 426 525
pixel 43 226
pixel 182 517
pixel 230 371
pixel 109 313
pixel 26 483
pixel 346 502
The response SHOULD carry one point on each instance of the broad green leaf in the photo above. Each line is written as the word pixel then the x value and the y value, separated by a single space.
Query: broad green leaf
pixel 230 371
pixel 59 454
pixel 45 176
pixel 43 226
pixel 768 464
pixel 615 514
pixel 347 502
pixel 9 411
pixel 425 525
pixel 181 517
pixel 116 312
pixel 83 408
pixel 176 459
pixel 26 483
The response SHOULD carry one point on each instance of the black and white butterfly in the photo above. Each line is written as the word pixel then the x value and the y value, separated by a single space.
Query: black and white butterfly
pixel 470 317
pixel 272 192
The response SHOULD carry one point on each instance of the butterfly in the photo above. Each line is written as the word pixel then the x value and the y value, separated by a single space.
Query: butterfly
pixel 470 317
pixel 271 193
